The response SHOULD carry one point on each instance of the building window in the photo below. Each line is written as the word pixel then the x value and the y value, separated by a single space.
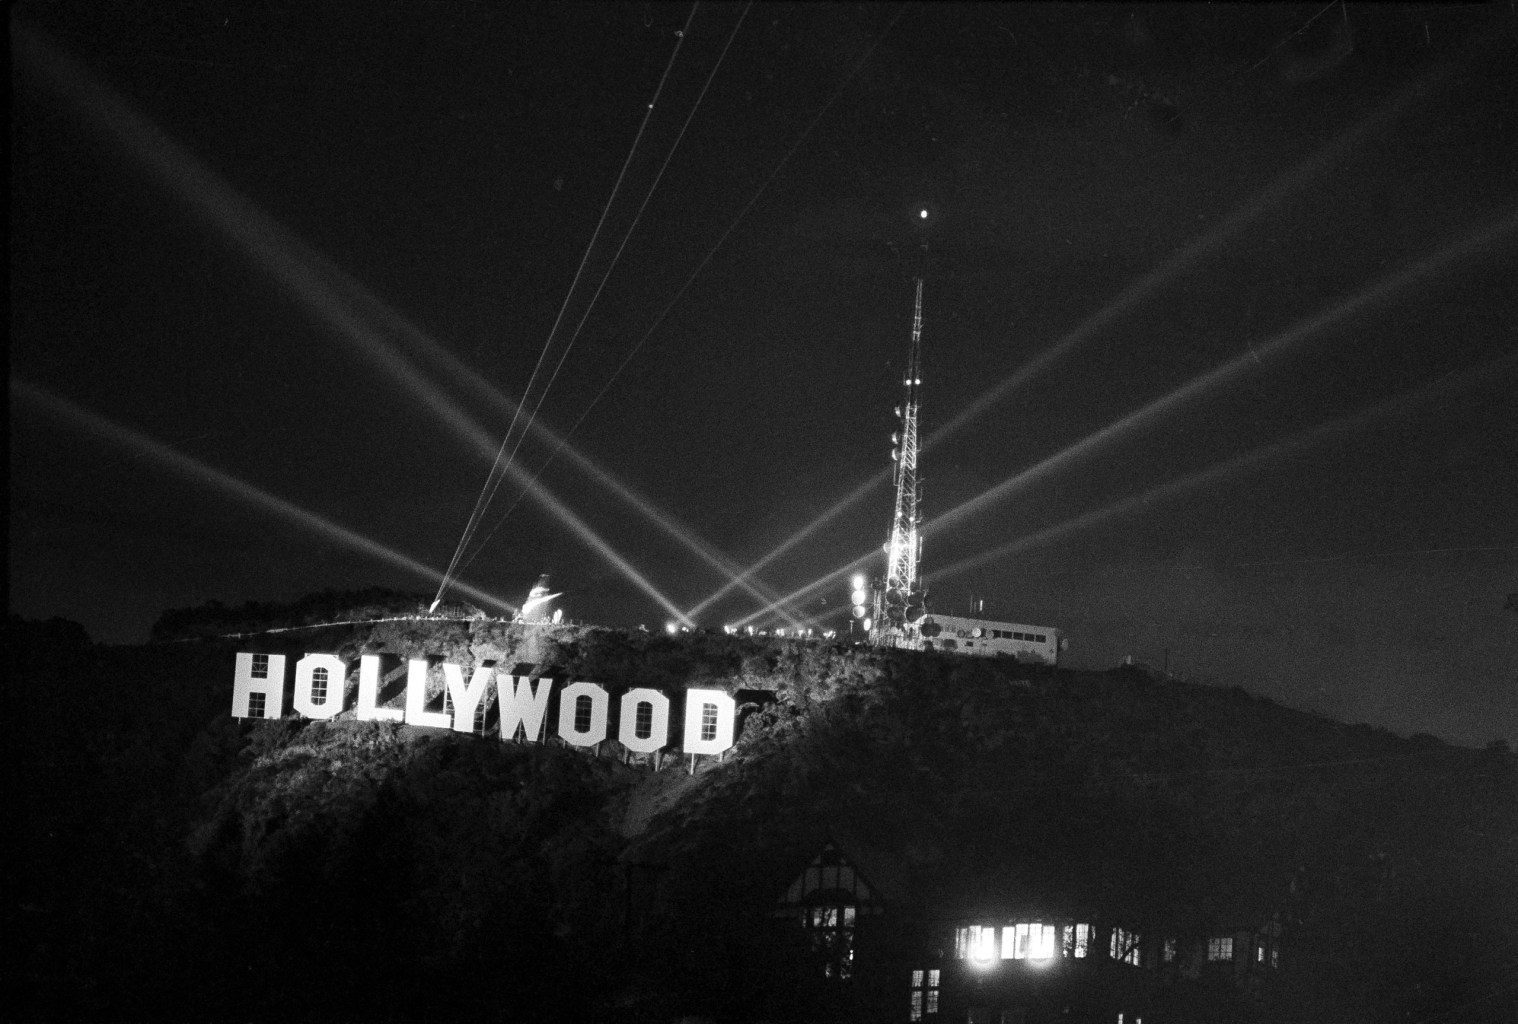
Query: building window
pixel 1220 949
pixel 975 942
pixel 584 707
pixel 260 666
pixel 1125 946
pixel 1168 953
pixel 319 686
pixel 1027 941
pixel 1040 637
pixel 708 722
pixel 255 705
pixel 832 930
pixel 924 993
pixel 643 724
pixel 1077 940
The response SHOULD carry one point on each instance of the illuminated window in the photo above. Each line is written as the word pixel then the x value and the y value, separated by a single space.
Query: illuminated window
pixel 1220 949
pixel 1077 940
pixel 583 710
pixel 260 666
pixel 832 930
pixel 1259 954
pixel 1168 953
pixel 319 685
pixel 1027 941
pixel 975 942
pixel 708 722
pixel 924 993
pixel 1125 946
pixel 643 724
pixel 255 705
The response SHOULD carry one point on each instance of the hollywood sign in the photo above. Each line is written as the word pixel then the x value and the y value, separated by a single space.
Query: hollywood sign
pixel 584 709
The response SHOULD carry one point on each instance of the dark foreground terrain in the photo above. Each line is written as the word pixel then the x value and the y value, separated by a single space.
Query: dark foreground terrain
pixel 173 863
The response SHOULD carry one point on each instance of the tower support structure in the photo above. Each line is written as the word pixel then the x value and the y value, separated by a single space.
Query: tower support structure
pixel 900 596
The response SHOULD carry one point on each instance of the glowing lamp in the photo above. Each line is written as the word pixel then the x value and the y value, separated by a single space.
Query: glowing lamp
pixel 857 583
pixel 671 628
pixel 859 596
pixel 923 215
pixel 984 949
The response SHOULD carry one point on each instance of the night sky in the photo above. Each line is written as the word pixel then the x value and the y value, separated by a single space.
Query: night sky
pixel 1221 297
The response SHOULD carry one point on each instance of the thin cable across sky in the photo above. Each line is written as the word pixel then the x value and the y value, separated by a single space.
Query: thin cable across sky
pixel 304 274
pixel 531 401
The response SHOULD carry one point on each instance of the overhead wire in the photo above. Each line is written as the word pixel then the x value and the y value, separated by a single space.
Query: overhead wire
pixel 497 470
pixel 725 234
pixel 353 315
pixel 1304 27
pixel 564 439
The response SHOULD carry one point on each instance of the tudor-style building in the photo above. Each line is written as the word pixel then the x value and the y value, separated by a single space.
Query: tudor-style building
pixel 830 899
pixel 938 957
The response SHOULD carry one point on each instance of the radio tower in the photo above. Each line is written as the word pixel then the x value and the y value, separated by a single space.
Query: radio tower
pixel 899 602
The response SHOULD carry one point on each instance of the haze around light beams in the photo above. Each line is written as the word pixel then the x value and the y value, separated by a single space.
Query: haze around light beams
pixel 1295 444
pixel 1221 376
pixel 1468 245
pixel 1141 290
pixel 225 483
pixel 295 266
pixel 467 379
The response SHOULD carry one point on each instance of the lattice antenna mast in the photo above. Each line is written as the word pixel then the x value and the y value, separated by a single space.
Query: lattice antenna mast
pixel 900 602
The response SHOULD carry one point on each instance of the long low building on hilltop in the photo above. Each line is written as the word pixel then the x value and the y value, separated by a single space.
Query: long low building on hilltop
pixel 988 638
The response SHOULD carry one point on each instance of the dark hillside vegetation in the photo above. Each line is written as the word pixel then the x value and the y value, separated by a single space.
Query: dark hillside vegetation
pixel 174 863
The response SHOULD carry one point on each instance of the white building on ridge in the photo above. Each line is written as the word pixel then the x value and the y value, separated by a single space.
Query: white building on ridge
pixel 988 638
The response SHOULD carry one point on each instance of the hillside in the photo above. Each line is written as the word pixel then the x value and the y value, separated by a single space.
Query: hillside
pixel 176 863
